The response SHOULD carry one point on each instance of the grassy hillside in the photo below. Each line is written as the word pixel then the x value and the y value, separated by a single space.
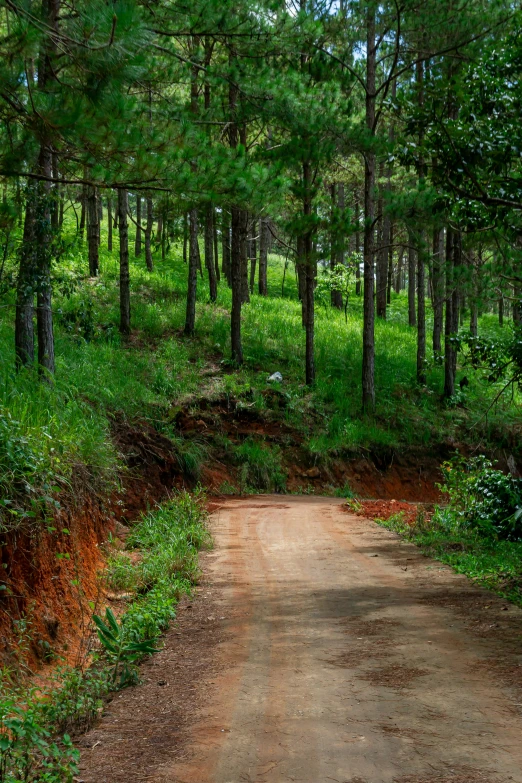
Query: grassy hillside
pixel 47 432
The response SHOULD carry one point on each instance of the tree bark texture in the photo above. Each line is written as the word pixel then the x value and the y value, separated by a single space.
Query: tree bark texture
pixel 148 234
pixel 93 232
pixel 137 239
pixel 193 262
pixel 263 257
pixel 209 252
pixel 123 228
pixel 368 357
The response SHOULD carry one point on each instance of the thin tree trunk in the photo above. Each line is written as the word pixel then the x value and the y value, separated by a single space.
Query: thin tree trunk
pixel 368 357
pixel 148 234
pixel 26 285
pixel 438 289
pixel 455 306
pixel 137 239
pixel 225 245
pixel 43 236
pixel 398 276
pixel 83 213
pixel 209 252
pixel 389 284
pixel 263 257
pixel 216 245
pixel 123 227
pixel 449 375
pixel 55 195
pixel 382 253
pixel 517 304
pixel 185 237
pixel 357 250
pixel 93 232
pixel 235 276
pixel 412 263
pixel 253 255
pixel 501 311
pixel 301 279
pixel 243 246
pixel 163 236
pixel 193 261
pixel 421 317
pixel 109 224
pixel 336 297
pixel 309 265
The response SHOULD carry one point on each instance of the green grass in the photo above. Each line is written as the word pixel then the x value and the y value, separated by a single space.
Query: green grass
pixel 50 435
pixel 494 564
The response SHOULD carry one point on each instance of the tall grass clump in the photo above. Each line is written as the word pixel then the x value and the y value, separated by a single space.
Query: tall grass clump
pixel 260 466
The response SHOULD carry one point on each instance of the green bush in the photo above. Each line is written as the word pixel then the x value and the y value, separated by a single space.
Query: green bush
pixel 28 751
pixel 485 498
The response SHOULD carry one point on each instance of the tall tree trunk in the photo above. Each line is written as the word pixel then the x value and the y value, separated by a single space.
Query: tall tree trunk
pixel 309 265
pixel 438 289
pixel 148 234
pixel 93 231
pixel 43 238
pixel 382 253
pixel 263 257
pixel 109 224
pixel 301 278
pixel 123 227
pixel 137 239
pixel 216 245
pixel 336 297
pixel 185 237
pixel 455 307
pixel 43 230
pixel 209 252
pixel 235 275
pixel 382 268
pixel 473 318
pixel 449 374
pixel 26 285
pixel 412 263
pixel 389 284
pixel 368 357
pixel 517 303
pixel 193 261
pixel 225 245
pixel 501 311
pixel 252 245
pixel 83 213
pixel 357 250
pixel 55 195
pixel 421 316
pixel 243 246
pixel 398 276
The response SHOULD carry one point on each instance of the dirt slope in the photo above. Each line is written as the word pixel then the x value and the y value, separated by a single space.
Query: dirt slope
pixel 322 649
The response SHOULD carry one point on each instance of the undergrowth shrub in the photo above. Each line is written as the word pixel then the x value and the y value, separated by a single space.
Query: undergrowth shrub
pixel 260 466
pixel 28 751
pixel 483 497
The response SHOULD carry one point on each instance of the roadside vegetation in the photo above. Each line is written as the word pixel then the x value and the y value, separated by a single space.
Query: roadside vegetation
pixel 37 721
pixel 479 531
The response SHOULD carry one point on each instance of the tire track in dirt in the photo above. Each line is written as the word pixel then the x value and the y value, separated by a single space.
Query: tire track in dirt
pixel 340 653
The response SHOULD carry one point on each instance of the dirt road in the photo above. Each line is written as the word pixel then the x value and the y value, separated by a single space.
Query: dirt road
pixel 332 651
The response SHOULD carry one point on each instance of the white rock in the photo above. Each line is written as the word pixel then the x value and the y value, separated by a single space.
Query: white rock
pixel 275 378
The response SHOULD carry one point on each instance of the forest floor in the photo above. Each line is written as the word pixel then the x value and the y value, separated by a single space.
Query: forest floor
pixel 320 647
